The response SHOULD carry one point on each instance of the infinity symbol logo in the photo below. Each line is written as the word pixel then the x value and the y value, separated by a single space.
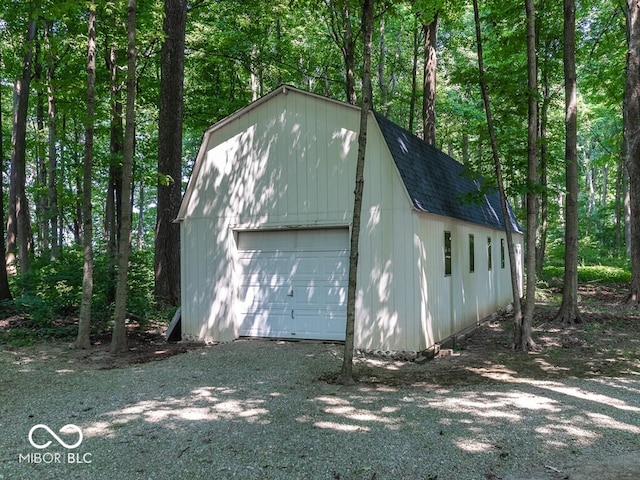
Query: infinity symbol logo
pixel 70 428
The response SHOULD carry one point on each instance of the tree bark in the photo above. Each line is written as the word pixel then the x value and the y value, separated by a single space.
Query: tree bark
pixel 342 33
pixel 52 167
pixel 119 337
pixel 429 92
pixel 167 235
pixel 632 138
pixel 18 218
pixel 515 290
pixel 40 195
pixel 346 374
pixel 522 331
pixel 5 292
pixel 84 326
pixel 541 245
pixel 414 75
pixel 114 203
pixel 569 312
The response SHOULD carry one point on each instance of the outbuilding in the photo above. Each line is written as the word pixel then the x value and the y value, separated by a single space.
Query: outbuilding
pixel 265 224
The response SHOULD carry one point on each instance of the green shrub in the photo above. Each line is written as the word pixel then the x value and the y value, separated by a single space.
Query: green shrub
pixel 53 289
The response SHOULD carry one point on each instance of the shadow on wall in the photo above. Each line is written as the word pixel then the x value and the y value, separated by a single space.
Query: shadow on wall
pixel 268 174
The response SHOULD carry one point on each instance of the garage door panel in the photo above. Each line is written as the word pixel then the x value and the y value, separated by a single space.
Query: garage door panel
pixel 293 283
pixel 252 296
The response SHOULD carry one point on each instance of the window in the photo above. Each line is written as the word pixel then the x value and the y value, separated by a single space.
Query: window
pixel 472 254
pixel 489 260
pixel 502 253
pixel 447 253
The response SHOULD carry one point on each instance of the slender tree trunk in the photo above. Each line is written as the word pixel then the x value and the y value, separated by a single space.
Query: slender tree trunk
pixel 18 220
pixel 522 332
pixel 346 375
pixel 79 166
pixel 382 81
pixel 167 237
pixel 515 290
pixel 119 338
pixel 541 245
pixel 414 75
pixel 632 137
pixel 114 204
pixel 84 326
pixel 5 292
pixel 619 203
pixel 569 312
pixel 40 195
pixel 52 167
pixel 141 210
pixel 429 92
pixel 342 35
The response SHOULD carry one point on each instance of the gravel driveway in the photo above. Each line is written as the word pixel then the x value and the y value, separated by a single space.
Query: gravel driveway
pixel 257 410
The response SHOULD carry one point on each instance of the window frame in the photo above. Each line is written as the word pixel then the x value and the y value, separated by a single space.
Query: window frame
pixel 448 253
pixel 472 253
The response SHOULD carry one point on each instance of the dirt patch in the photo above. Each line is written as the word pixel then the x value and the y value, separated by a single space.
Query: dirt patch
pixel 605 344
pixel 145 344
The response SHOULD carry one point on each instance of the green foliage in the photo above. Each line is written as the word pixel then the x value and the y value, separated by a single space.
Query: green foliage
pixel 591 251
pixel 236 50
pixel 20 337
pixel 605 274
pixel 53 288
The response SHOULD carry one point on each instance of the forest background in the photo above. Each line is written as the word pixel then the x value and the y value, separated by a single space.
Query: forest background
pixel 234 52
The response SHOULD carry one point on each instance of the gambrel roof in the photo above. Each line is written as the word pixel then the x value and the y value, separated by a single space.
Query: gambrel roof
pixel 438 184
pixel 434 182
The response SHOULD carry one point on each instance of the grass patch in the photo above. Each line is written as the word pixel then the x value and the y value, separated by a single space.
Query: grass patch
pixel 602 274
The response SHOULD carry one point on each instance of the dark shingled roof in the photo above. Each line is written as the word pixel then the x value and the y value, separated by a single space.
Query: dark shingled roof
pixel 439 184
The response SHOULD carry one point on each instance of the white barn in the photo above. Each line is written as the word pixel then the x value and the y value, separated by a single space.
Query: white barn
pixel 265 224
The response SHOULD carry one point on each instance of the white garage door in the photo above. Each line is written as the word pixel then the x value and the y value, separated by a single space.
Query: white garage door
pixel 293 284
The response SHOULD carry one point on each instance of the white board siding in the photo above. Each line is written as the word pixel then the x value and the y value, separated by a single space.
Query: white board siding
pixel 268 168
pixel 386 314
pixel 293 283
pixel 458 301
pixel 289 163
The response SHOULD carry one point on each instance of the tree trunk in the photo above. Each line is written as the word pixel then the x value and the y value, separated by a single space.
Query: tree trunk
pixel 414 75
pixel 113 207
pixel 569 312
pixel 119 338
pixel 5 292
pixel 141 210
pixel 40 194
pixel 79 166
pixel 515 290
pixel 346 375
pixel 167 236
pixel 18 219
pixel 52 167
pixel 619 204
pixel 84 326
pixel 632 138
pixel 522 332
pixel 429 92
pixel 541 245
pixel 382 82
pixel 342 34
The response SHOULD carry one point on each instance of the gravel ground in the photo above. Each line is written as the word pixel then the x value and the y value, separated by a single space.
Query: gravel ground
pixel 258 410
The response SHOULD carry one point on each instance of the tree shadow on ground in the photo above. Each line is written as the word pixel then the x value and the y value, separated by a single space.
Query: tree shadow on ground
pixel 606 344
